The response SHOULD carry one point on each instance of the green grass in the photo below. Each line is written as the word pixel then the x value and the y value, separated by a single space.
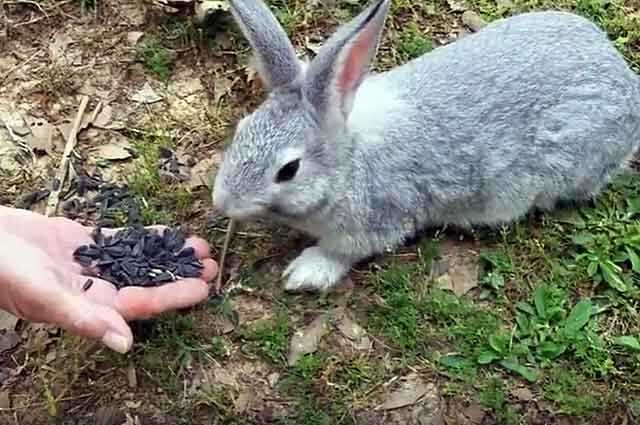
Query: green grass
pixel 492 396
pixel 412 43
pixel 152 194
pixel 269 338
pixel 550 288
pixel 155 58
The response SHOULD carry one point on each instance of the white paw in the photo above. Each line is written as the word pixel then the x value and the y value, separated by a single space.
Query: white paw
pixel 314 270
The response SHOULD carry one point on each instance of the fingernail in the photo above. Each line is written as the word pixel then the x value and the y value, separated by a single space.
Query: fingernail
pixel 116 342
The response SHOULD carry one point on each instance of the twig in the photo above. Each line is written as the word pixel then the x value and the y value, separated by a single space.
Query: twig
pixel 225 248
pixel 72 139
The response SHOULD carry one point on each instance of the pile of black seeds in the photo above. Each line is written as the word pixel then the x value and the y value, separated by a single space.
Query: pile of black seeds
pixel 137 256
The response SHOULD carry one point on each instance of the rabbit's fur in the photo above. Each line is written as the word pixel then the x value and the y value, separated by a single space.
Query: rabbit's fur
pixel 531 110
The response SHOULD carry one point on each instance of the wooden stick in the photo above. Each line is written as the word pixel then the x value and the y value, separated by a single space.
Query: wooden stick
pixel 72 139
pixel 225 248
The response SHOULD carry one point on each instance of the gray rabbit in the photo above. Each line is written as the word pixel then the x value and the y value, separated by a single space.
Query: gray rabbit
pixel 532 110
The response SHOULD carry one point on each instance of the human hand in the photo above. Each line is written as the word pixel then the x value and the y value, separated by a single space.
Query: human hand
pixel 41 282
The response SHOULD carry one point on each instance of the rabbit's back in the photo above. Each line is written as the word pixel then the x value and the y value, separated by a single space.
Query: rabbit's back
pixel 531 110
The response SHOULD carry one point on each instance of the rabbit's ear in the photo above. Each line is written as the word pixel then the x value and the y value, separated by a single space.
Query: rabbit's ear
pixel 334 75
pixel 274 53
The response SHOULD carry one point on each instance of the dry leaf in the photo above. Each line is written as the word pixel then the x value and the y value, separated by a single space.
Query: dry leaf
pixel 307 340
pixel 201 173
pixel 354 332
pixel 146 95
pixel 7 321
pixel 133 37
pixel 411 390
pixel 114 151
pixel 58 46
pixel 104 117
pixel 462 269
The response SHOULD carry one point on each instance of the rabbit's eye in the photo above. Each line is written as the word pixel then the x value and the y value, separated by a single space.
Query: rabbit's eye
pixel 288 172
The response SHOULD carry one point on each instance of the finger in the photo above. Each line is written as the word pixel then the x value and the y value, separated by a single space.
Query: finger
pixel 200 246
pixel 85 318
pixel 209 269
pixel 143 303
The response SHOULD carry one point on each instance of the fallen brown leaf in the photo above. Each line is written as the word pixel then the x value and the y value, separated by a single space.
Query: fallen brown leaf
pixel 114 151
pixel 58 46
pixel 146 95
pixel 306 341
pixel 353 332
pixel 461 266
pixel 411 390
pixel 201 173
pixel 133 37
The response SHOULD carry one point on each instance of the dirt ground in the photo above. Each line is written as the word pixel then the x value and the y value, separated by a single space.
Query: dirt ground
pixel 154 78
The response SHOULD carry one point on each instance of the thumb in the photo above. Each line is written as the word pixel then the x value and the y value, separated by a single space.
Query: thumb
pixel 85 318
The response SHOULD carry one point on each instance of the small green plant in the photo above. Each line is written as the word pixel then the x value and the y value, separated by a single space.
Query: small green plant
pixel 269 339
pixel 544 331
pixel 492 396
pixel 498 268
pixel 155 58
pixel 571 393
pixel 608 241
pixel 413 43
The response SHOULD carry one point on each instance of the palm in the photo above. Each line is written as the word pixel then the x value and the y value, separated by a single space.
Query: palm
pixel 57 238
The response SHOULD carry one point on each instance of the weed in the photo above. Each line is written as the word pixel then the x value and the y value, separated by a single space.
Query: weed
pixel 412 43
pixel 155 57
pixel 57 80
pixel 571 392
pixel 399 317
pixel 492 396
pixel 269 339
pixel 544 331
pixel 498 269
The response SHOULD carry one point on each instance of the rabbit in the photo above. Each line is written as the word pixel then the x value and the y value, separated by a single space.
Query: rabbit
pixel 532 110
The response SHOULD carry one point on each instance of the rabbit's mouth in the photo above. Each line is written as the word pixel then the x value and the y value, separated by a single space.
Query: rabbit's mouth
pixel 246 213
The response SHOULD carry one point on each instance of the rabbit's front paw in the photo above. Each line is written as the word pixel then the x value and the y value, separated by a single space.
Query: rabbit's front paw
pixel 314 270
